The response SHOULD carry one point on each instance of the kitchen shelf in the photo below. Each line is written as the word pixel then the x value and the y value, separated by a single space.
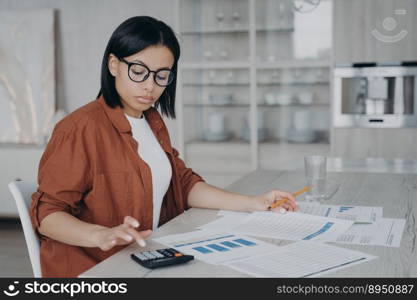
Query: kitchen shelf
pixel 294 104
pixel 200 84
pixel 215 65
pixel 233 30
pixel 262 55
pixel 219 145
pixel 291 64
pixel 294 83
pixel 216 105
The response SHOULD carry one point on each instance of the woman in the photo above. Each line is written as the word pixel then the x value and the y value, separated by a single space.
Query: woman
pixel 109 174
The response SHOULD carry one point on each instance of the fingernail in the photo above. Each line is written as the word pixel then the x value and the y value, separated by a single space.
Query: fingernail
pixel 142 243
pixel 282 210
pixel 113 242
pixel 136 224
pixel 130 238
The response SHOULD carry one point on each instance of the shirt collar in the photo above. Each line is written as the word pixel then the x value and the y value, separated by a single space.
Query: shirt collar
pixel 119 120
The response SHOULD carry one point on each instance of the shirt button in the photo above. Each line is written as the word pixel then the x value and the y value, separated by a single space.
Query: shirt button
pixel 161 141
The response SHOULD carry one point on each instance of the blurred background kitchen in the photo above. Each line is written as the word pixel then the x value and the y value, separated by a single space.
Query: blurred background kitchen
pixel 262 83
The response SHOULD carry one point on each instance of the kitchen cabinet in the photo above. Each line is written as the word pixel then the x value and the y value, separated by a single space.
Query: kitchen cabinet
pixel 381 31
pixel 247 62
pixel 389 143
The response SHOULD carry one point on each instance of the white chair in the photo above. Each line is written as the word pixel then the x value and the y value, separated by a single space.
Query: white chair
pixel 22 192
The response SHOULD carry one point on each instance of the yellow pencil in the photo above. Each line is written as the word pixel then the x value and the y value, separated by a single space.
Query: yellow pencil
pixel 282 201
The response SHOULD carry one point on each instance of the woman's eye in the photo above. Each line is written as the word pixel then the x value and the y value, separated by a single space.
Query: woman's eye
pixel 138 72
pixel 162 77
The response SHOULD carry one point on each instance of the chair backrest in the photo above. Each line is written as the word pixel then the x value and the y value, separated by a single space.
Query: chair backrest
pixel 22 192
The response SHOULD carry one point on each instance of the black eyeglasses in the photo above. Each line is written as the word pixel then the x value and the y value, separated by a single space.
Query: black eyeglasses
pixel 138 72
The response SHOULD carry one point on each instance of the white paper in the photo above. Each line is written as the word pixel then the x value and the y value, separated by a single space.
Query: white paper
pixel 385 232
pixel 301 259
pixel 216 248
pixel 229 219
pixel 233 213
pixel 358 214
pixel 292 226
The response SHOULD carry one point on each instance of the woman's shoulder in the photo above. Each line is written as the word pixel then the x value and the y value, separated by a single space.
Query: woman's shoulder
pixel 81 118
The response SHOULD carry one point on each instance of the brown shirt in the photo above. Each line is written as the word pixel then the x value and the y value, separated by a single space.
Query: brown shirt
pixel 92 170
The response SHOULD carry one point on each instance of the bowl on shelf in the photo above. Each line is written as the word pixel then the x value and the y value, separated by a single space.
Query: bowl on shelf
pixel 283 98
pixel 216 136
pixel 262 134
pixel 221 99
pixel 270 99
pixel 301 136
pixel 305 98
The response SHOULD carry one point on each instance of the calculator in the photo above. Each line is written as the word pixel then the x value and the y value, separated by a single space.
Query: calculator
pixel 160 258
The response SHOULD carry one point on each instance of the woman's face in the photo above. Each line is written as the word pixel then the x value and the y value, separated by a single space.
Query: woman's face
pixel 140 96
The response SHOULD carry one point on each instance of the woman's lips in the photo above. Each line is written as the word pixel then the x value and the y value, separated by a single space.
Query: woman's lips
pixel 144 100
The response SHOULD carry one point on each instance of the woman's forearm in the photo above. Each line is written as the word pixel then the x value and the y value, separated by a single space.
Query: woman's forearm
pixel 203 195
pixel 67 229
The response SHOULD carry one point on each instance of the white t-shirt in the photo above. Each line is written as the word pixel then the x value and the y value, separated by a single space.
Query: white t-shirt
pixel 153 154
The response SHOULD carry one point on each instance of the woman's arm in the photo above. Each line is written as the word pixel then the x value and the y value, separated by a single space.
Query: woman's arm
pixel 65 228
pixel 203 195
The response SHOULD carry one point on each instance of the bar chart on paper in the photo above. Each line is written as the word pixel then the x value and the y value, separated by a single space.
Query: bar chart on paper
pixel 217 248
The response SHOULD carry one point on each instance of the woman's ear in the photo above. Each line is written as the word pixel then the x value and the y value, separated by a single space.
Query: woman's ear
pixel 112 64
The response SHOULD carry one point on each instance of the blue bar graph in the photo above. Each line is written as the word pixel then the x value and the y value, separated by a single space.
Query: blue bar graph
pixel 230 244
pixel 322 230
pixel 217 247
pixel 244 242
pixel 345 208
pixel 203 250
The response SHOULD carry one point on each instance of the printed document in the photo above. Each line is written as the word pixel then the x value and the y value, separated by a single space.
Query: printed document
pixel 292 226
pixel 216 248
pixel 385 232
pixel 358 214
pixel 301 259
pixel 229 219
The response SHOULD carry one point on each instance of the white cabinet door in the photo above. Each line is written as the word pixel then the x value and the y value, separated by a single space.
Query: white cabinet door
pixel 374 30
pixel 16 163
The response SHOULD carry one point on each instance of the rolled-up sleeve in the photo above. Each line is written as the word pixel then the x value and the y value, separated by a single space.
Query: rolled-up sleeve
pixel 187 177
pixel 63 176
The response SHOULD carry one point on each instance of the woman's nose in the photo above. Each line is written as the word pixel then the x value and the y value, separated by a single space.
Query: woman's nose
pixel 149 83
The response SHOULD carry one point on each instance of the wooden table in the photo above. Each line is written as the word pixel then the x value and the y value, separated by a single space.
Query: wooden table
pixel 396 193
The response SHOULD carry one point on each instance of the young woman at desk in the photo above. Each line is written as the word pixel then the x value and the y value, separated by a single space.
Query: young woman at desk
pixel 109 174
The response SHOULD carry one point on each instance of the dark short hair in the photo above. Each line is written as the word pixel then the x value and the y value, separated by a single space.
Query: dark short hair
pixel 134 35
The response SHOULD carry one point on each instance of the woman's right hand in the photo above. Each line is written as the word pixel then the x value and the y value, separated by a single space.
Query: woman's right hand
pixel 106 238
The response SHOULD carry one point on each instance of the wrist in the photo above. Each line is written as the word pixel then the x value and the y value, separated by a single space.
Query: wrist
pixel 95 235
pixel 251 204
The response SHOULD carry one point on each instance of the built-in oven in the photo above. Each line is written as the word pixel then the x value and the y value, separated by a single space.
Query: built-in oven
pixel 375 96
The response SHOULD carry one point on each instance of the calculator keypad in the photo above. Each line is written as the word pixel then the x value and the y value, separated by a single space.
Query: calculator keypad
pixel 152 255
pixel 160 257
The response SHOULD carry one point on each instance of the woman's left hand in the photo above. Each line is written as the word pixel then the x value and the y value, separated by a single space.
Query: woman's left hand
pixel 265 200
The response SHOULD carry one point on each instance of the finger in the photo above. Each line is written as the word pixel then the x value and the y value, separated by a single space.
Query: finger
pixel 131 222
pixel 293 205
pixel 290 200
pixel 287 195
pixel 138 237
pixel 123 234
pixel 279 209
pixel 108 244
pixel 146 233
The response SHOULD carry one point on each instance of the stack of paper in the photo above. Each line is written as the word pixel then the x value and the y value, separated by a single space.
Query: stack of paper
pixel 358 214
pixel 292 226
pixel 260 259
pixel 368 228
pixel 301 259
